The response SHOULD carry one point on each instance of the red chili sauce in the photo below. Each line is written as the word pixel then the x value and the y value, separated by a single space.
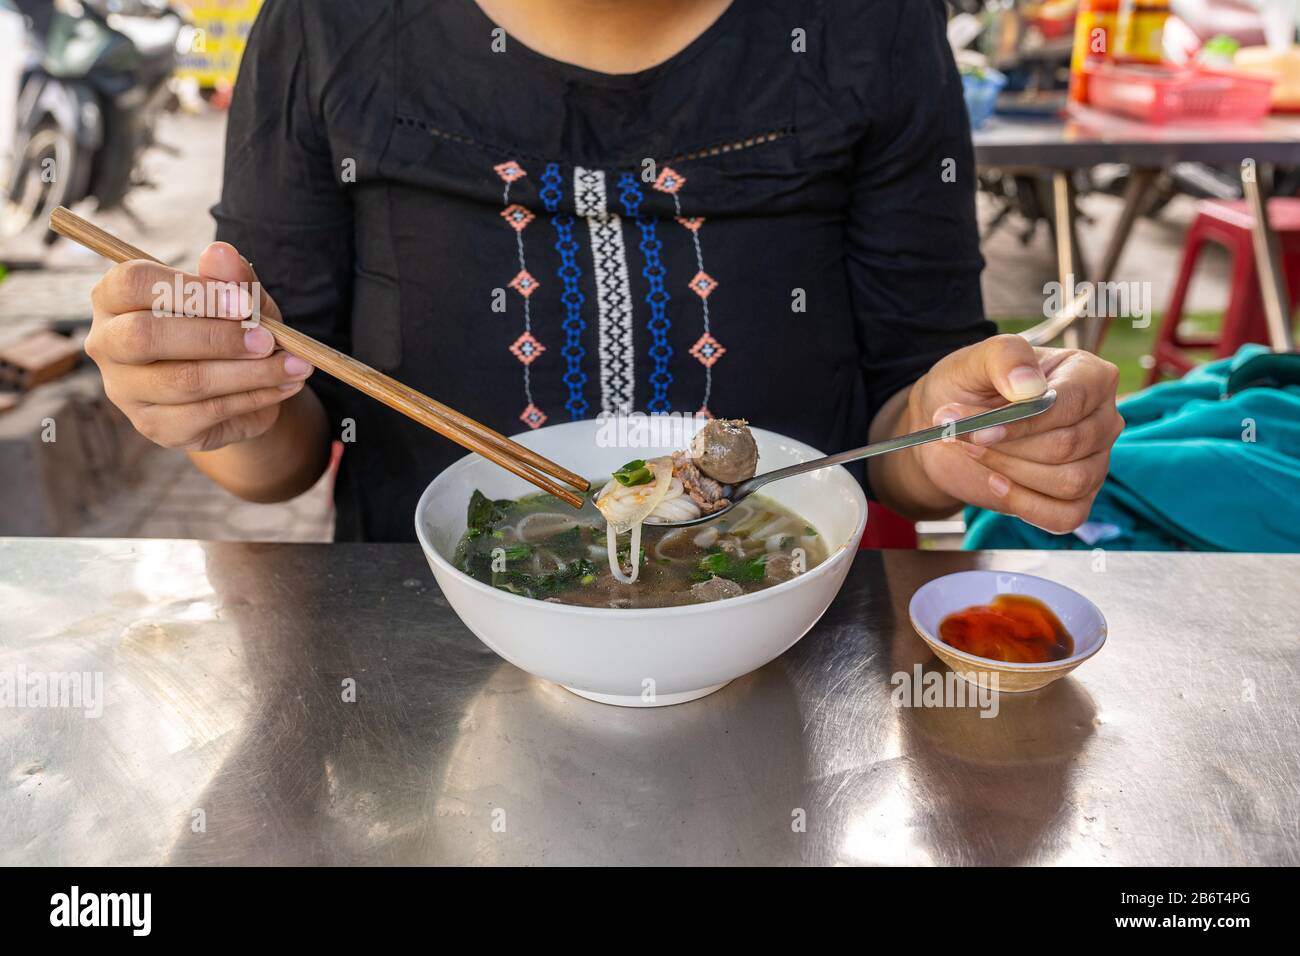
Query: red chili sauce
pixel 1013 628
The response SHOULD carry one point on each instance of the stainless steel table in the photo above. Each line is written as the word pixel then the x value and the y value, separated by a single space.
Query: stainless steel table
pixel 225 737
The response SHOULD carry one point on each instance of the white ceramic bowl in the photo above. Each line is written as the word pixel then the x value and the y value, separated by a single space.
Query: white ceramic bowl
pixel 936 599
pixel 655 656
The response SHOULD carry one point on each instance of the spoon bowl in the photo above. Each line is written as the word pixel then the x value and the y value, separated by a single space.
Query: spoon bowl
pixel 1015 412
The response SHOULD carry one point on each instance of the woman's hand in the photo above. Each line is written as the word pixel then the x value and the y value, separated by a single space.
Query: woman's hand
pixel 187 373
pixel 1046 470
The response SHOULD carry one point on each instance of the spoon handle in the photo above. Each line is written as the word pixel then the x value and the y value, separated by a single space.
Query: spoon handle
pixel 1017 411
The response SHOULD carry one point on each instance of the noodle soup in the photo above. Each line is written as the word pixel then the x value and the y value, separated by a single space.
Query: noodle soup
pixel 539 548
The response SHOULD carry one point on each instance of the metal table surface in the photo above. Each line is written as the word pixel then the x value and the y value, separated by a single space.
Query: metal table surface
pixel 224 736
pixel 1090 138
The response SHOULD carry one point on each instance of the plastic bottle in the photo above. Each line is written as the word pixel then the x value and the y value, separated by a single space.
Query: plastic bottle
pixel 1094 32
pixel 1140 30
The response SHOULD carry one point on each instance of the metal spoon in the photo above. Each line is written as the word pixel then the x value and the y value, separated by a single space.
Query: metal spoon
pixel 1015 412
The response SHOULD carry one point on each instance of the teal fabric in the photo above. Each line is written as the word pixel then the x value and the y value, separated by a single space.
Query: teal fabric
pixel 1210 462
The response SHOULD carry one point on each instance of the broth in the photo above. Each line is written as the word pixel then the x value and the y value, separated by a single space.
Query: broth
pixel 538 547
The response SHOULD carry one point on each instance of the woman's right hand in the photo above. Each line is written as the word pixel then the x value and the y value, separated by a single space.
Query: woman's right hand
pixel 188 374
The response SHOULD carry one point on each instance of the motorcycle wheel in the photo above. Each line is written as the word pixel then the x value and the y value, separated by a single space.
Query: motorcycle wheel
pixel 40 181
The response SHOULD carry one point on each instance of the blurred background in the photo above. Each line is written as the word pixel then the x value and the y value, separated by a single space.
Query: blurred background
pixel 117 109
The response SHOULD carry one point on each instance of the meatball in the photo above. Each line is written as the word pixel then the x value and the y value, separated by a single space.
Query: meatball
pixel 725 450
pixel 716 589
pixel 780 567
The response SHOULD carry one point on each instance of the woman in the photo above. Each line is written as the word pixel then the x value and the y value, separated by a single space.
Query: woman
pixel 538 211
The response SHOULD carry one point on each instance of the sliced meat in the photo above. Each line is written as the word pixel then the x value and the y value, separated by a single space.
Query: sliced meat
pixel 779 567
pixel 716 589
pixel 725 450
pixel 704 491
pixel 731 544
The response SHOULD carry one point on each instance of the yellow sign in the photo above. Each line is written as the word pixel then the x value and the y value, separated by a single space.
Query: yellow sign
pixel 222 27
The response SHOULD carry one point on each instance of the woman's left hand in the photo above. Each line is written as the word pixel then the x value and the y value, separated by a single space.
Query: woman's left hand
pixel 1047 469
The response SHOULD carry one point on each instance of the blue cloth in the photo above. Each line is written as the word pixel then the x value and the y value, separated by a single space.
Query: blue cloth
pixel 1210 462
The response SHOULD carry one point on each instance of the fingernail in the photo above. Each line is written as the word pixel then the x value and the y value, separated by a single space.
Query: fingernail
pixel 291 386
pixel 296 367
pixel 975 451
pixel 947 414
pixel 258 341
pixel 1026 381
pixel 999 485
pixel 989 436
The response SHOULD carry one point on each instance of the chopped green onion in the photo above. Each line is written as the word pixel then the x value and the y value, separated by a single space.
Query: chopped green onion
pixel 634 473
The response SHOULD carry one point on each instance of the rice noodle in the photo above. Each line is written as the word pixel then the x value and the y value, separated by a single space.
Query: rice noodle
pixel 706 538
pixel 768 529
pixel 543 524
pixel 626 506
pixel 668 539
pixel 544 553
pixel 679 508
pixel 773 541
pixel 611 539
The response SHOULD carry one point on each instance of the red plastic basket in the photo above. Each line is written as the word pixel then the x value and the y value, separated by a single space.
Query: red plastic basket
pixel 1161 94
pixel 1053 28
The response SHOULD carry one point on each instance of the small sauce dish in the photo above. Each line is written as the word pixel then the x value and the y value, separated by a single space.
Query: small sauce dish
pixel 952 593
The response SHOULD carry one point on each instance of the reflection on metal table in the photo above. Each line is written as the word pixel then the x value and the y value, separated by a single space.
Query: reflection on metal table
pixel 225 735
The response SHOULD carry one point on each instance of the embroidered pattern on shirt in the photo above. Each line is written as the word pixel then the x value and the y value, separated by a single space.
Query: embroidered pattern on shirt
pixel 613 292
pixel 706 350
pixel 657 298
pixel 526 348
pixel 566 244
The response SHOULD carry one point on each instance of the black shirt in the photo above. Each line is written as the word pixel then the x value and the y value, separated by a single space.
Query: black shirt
pixel 777 223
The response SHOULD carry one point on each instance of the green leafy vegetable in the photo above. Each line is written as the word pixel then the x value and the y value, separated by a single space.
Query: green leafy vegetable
pixel 634 473
pixel 544 585
pixel 484 513
pixel 721 564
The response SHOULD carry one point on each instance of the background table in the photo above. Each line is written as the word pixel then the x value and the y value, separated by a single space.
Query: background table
pixel 1088 138
pixel 223 667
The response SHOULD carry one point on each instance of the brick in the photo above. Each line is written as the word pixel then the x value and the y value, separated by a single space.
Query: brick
pixel 37 358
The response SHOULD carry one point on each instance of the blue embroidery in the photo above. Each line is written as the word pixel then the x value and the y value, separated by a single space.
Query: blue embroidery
pixel 567 246
pixel 660 351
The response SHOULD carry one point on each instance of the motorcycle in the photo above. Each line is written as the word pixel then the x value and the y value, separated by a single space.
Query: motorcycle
pixel 93 85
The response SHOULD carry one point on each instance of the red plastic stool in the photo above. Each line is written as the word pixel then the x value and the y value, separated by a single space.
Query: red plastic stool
pixel 886 530
pixel 1227 224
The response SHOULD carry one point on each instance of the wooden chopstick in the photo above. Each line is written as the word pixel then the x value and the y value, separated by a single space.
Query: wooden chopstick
pixel 441 418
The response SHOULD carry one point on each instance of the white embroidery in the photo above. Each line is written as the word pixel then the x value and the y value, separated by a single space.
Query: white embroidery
pixel 613 293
